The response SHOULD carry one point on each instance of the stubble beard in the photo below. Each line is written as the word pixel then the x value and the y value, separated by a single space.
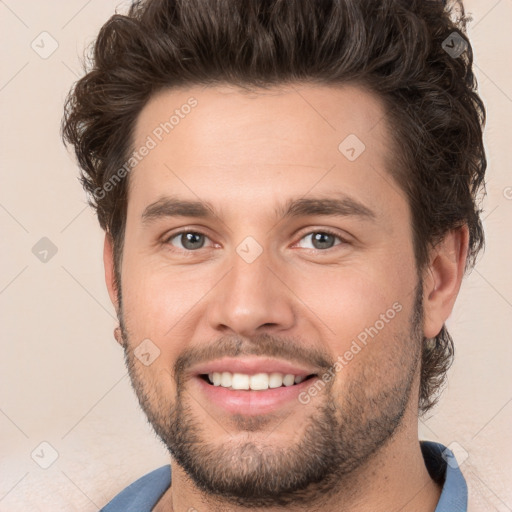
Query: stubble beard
pixel 337 440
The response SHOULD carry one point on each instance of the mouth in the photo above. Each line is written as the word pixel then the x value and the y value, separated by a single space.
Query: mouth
pixel 253 382
pixel 251 385
pixel 251 395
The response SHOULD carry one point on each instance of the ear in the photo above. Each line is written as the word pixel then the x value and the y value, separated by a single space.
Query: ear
pixel 443 278
pixel 108 262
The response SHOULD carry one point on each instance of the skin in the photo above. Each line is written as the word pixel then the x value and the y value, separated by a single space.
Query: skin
pixel 247 154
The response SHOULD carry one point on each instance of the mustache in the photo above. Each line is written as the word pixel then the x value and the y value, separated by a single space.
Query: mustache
pixel 266 345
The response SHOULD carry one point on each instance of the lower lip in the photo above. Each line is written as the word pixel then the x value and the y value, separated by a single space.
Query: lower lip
pixel 250 402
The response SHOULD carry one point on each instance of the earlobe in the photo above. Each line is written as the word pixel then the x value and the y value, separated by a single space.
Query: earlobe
pixel 443 279
pixel 108 262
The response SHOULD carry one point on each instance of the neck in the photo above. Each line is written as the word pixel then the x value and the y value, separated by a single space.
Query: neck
pixel 395 478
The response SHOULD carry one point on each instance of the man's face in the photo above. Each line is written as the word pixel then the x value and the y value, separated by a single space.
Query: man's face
pixel 249 290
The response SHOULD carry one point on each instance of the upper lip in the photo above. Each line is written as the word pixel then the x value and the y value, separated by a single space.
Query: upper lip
pixel 251 366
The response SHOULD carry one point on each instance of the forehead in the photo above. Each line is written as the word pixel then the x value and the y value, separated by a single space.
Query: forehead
pixel 225 142
pixel 305 112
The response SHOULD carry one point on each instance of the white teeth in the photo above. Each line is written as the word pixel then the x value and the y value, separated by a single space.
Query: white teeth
pixel 225 379
pixel 256 382
pixel 240 381
pixel 275 380
pixel 259 381
pixel 289 380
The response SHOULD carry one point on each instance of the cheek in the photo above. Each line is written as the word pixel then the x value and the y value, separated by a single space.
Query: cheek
pixel 159 303
pixel 358 300
pixel 373 344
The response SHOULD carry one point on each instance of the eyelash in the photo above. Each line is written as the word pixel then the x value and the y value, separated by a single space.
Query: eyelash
pixel 168 238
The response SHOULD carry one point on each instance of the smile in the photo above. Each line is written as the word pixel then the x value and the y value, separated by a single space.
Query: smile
pixel 256 382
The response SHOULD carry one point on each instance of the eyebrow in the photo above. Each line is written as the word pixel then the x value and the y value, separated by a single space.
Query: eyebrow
pixel 342 206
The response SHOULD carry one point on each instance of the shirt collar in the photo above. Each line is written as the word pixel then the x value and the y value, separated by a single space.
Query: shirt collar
pixel 144 494
pixel 444 469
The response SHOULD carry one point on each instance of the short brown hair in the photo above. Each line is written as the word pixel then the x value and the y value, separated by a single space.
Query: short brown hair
pixel 397 49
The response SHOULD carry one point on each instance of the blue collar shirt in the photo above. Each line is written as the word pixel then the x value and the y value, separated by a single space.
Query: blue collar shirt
pixel 144 494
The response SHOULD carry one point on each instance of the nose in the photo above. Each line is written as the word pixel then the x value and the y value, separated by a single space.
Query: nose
pixel 252 297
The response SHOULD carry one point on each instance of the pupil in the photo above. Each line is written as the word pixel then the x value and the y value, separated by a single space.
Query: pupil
pixel 188 239
pixel 319 238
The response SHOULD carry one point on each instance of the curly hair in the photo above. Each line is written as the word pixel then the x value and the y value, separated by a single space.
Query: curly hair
pixel 396 49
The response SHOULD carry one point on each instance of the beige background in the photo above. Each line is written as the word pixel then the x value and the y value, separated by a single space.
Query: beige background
pixel 62 375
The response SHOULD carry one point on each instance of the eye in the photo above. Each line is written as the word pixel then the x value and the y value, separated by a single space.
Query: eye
pixel 322 240
pixel 190 240
pixel 194 240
